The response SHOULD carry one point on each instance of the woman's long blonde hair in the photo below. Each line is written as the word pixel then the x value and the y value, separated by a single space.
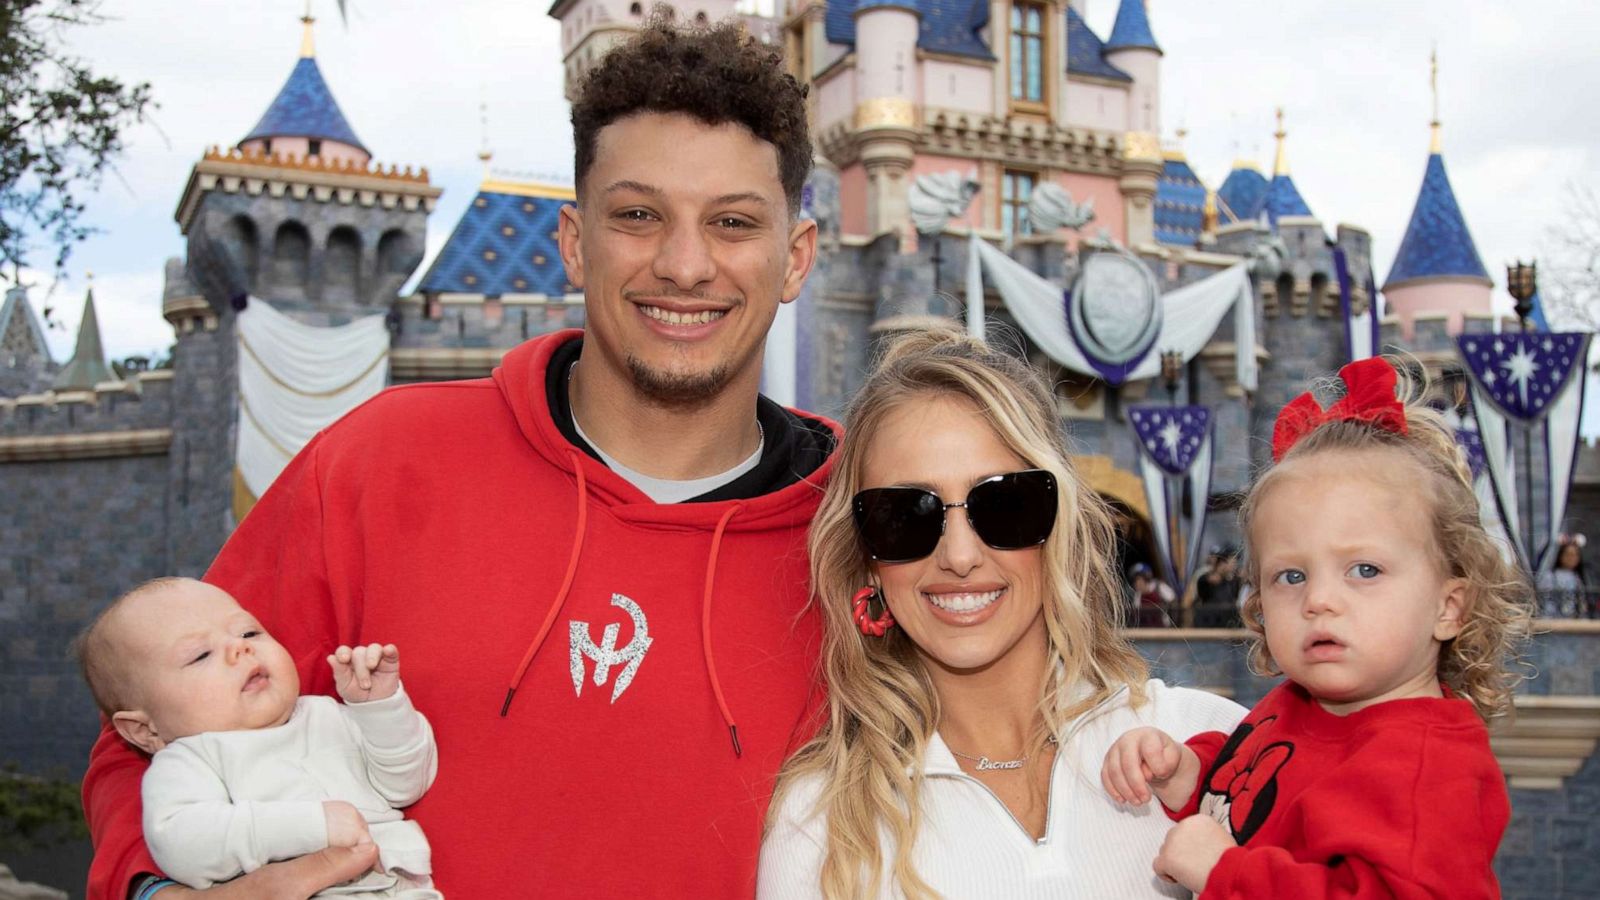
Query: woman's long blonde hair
pixel 882 708
pixel 1478 663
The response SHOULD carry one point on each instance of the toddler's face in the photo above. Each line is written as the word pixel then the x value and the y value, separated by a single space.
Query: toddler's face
pixel 204 664
pixel 1355 603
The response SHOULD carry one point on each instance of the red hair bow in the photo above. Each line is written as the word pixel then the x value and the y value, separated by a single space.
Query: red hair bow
pixel 1369 397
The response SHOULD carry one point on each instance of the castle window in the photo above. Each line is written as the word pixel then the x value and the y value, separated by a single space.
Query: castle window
pixel 700 18
pixel 1016 188
pixel 635 10
pixel 266 146
pixel 313 147
pixel 1027 52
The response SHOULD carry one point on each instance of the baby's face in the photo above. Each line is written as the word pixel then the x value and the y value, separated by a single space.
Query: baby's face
pixel 204 664
pixel 1355 602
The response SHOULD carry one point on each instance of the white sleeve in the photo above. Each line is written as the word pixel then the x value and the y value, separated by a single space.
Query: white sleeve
pixel 792 852
pixel 199 836
pixel 1186 712
pixel 397 746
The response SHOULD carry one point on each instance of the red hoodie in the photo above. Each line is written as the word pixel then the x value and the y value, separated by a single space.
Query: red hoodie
pixel 449 519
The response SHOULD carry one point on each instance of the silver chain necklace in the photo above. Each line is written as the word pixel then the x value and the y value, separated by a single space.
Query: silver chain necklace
pixel 985 764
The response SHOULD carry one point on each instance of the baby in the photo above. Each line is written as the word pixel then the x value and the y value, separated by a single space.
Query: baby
pixel 245 770
pixel 1374 588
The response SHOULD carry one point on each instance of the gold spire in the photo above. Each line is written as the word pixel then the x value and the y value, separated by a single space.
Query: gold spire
pixel 1433 82
pixel 308 48
pixel 484 153
pixel 1208 214
pixel 1280 166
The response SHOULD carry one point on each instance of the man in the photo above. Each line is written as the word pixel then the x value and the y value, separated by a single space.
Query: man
pixel 595 559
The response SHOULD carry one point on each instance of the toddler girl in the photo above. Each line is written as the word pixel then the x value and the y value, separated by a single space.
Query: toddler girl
pixel 1374 588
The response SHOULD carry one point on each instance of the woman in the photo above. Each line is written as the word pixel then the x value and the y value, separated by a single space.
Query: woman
pixel 1563 590
pixel 975 676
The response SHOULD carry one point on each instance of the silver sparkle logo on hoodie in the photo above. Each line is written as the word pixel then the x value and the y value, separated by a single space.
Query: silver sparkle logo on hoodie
pixel 606 655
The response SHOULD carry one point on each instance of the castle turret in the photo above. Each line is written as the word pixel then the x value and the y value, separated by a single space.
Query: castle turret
pixel 885 117
pixel 25 363
pixel 304 120
pixel 1132 48
pixel 1283 198
pixel 87 367
pixel 1437 269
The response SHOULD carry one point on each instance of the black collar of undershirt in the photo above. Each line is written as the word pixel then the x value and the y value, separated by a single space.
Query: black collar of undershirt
pixel 794 445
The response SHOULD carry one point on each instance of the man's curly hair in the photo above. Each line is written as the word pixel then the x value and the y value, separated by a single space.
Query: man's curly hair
pixel 716 74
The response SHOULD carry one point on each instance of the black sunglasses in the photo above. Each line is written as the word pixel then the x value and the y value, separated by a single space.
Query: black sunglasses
pixel 1008 512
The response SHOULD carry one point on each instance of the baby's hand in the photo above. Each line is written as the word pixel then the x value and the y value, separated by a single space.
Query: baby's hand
pixel 1191 851
pixel 366 673
pixel 1148 757
pixel 346 827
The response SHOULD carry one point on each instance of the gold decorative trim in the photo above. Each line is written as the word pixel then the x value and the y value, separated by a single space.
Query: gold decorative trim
pixel 885 112
pixel 93 445
pixel 1141 145
pixel 527 189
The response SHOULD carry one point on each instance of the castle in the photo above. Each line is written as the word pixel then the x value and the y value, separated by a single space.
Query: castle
pixel 109 481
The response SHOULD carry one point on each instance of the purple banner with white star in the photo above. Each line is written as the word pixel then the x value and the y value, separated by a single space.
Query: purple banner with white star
pixel 1527 397
pixel 1171 435
pixel 1522 373
pixel 1175 446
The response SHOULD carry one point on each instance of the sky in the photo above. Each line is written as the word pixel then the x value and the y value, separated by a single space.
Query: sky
pixel 1515 84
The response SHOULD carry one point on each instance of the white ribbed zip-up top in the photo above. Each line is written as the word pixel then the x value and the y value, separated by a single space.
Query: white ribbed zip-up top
pixel 970 847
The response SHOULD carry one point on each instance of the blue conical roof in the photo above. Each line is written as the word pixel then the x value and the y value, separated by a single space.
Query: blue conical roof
pixel 1132 28
pixel 305 108
pixel 1243 195
pixel 1283 199
pixel 1437 243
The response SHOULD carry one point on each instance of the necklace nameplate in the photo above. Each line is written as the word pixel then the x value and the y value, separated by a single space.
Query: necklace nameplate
pixel 986 764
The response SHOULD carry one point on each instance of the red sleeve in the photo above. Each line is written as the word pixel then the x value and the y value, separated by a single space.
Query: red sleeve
pixel 1418 827
pixel 111 804
pixel 1206 745
pixel 276 566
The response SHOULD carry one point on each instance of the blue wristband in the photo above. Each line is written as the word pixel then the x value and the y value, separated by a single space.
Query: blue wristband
pixel 151 888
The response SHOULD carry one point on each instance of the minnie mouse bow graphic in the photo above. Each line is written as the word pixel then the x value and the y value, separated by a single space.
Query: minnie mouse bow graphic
pixel 1242 787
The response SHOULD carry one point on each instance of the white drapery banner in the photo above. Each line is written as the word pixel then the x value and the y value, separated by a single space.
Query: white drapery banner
pixel 1190 314
pixel 296 379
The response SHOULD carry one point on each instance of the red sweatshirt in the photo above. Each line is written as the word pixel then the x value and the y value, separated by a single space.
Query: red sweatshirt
pixel 1402 799
pixel 442 518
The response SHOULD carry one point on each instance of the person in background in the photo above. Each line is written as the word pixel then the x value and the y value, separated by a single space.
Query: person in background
pixel 1564 590
pixel 1153 599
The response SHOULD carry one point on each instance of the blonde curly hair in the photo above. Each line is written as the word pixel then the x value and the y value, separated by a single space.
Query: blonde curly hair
pixel 1479 663
pixel 882 708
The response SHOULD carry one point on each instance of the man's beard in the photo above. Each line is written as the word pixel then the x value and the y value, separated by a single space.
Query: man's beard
pixel 677 390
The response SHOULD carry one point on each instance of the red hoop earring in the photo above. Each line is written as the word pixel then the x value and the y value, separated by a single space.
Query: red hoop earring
pixel 864 621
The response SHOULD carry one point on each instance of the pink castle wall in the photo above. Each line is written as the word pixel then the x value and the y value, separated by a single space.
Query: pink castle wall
pixel 1454 296
pixel 1108 208
pixel 853 199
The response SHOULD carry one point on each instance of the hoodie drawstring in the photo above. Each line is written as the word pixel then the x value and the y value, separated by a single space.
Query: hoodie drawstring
pixel 566 582
pixel 705 628
pixel 566 587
